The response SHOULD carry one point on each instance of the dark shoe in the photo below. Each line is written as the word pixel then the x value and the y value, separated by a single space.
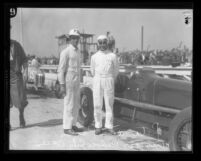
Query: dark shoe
pixel 98 131
pixel 70 132
pixel 111 131
pixel 76 129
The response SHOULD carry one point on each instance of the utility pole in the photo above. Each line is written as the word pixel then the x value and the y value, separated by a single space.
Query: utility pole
pixel 21 26
pixel 142 38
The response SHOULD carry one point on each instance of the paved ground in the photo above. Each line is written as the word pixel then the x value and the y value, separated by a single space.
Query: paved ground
pixel 44 131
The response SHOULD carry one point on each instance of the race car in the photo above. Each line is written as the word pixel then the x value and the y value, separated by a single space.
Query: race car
pixel 143 95
pixel 36 78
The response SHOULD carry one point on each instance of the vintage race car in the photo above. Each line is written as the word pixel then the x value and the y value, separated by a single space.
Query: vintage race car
pixel 45 78
pixel 36 77
pixel 142 95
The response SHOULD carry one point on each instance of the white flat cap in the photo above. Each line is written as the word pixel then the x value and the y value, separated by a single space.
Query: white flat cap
pixel 74 32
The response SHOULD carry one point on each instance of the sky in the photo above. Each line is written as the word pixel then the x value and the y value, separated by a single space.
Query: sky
pixel 164 29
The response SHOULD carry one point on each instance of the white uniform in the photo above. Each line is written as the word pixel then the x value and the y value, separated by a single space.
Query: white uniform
pixel 104 68
pixel 69 74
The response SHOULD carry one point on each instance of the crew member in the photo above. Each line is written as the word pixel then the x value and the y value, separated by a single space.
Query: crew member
pixel 69 78
pixel 104 69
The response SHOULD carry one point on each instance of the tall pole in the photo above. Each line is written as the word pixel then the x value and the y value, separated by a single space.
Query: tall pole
pixel 21 26
pixel 142 38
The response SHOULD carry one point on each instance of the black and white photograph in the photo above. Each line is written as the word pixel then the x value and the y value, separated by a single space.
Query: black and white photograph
pixel 87 79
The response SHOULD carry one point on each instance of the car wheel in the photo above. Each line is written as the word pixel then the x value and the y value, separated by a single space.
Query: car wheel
pixel 58 93
pixel 86 112
pixel 180 131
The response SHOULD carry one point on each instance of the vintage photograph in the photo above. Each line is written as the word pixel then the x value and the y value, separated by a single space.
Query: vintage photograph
pixel 101 79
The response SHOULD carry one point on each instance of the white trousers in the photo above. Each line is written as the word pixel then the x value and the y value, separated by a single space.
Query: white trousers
pixel 71 102
pixel 103 87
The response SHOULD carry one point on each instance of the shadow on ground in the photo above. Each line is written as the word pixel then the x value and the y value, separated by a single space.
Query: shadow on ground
pixel 119 126
pixel 41 93
pixel 56 122
pixel 125 134
pixel 50 123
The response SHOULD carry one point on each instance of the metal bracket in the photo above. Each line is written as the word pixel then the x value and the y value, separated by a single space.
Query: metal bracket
pixel 133 115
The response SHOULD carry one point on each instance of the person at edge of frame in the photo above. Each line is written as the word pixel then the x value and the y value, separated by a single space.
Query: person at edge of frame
pixel 18 78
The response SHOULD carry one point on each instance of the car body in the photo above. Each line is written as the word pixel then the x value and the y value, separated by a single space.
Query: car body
pixel 147 87
pixel 142 95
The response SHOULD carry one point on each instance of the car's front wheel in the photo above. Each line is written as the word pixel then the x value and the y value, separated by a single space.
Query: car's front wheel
pixel 86 112
pixel 181 131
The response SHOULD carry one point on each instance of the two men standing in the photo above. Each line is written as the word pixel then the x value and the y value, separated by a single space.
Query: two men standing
pixel 104 68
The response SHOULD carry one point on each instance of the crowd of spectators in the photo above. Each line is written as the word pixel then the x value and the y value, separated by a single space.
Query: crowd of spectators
pixel 138 57
pixel 52 60
pixel 156 57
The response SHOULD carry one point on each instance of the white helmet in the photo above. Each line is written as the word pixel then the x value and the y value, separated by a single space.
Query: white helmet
pixel 74 32
pixel 102 37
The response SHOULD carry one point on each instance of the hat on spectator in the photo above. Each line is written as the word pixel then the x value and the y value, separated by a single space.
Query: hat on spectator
pixel 74 32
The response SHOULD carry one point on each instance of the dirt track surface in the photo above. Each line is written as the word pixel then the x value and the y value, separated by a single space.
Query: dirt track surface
pixel 44 131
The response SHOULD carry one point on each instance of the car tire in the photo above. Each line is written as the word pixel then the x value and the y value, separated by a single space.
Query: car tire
pixel 86 112
pixel 177 123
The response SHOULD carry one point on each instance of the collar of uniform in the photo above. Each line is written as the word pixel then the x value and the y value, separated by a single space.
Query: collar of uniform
pixel 105 52
pixel 73 47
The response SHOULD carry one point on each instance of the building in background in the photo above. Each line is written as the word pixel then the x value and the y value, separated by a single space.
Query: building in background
pixel 87 46
pixel 63 41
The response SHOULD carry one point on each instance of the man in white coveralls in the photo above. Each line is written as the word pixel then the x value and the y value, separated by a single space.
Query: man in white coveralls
pixel 69 78
pixel 104 69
